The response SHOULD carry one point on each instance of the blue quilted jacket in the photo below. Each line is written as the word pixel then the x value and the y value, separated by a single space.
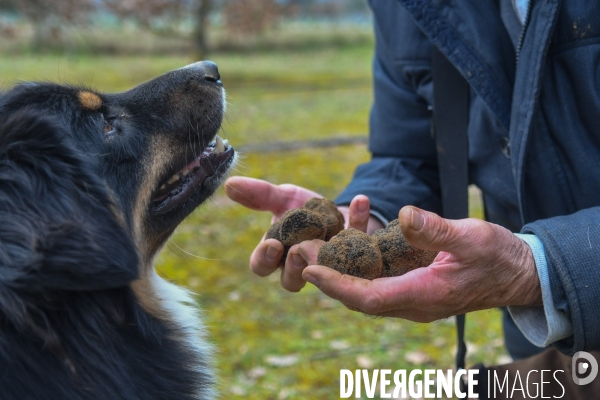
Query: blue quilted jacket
pixel 534 129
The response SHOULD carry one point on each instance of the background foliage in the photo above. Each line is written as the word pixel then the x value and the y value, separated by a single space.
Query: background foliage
pixel 271 344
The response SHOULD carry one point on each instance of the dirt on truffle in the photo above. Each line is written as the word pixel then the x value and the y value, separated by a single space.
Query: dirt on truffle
pixel 352 252
pixel 299 224
pixel 274 231
pixel 319 219
pixel 398 256
pixel 385 254
pixel 332 218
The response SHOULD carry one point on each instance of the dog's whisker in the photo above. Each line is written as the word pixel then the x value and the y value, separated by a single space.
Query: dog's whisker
pixel 189 137
pixel 235 190
pixel 195 256
pixel 198 133
pixel 211 122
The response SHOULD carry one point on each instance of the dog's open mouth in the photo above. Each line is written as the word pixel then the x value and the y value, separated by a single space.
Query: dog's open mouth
pixel 212 163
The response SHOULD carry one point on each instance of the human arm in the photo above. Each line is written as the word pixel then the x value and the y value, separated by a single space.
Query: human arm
pixel 572 254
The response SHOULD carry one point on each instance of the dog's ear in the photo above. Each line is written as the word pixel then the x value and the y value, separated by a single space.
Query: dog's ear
pixel 57 231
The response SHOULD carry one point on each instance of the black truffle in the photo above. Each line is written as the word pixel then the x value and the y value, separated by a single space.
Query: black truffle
pixel 398 256
pixel 298 225
pixel 333 220
pixel 318 219
pixel 352 252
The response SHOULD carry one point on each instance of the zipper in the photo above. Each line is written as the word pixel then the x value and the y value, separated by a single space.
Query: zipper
pixel 525 24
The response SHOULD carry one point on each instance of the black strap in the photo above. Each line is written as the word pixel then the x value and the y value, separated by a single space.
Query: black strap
pixel 450 118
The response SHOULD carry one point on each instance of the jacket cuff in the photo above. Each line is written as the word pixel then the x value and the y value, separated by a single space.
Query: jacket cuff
pixel 572 253
pixel 545 324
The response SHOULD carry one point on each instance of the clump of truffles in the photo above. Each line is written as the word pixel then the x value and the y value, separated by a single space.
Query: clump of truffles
pixel 318 219
pixel 352 252
pixel 385 254
pixel 398 255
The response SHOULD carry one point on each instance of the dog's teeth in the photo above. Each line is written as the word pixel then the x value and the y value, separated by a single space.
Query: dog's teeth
pixel 173 179
pixel 162 187
pixel 219 146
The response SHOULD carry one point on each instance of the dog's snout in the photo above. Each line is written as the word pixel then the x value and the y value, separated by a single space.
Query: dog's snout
pixel 211 71
pixel 207 70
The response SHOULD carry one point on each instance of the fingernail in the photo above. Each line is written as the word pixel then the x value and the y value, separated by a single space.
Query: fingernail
pixel 416 219
pixel 298 261
pixel 363 206
pixel 272 253
pixel 311 279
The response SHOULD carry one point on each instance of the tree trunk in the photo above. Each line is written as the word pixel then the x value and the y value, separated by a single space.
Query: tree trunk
pixel 200 34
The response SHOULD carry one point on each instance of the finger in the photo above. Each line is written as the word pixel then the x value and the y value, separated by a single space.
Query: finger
pixel 299 256
pixel 291 276
pixel 429 231
pixel 359 213
pixel 266 257
pixel 372 297
pixel 309 250
pixel 260 195
pixel 255 194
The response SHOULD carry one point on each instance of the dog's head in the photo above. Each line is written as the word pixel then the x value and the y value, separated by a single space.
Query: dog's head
pixel 89 178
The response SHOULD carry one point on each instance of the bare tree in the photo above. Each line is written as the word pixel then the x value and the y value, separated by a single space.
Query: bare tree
pixel 251 17
pixel 146 11
pixel 48 16
pixel 202 12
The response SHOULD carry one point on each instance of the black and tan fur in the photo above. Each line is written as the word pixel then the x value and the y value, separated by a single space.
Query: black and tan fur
pixel 83 212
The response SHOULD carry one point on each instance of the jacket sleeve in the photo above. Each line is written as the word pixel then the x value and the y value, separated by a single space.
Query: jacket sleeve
pixel 573 253
pixel 541 325
pixel 403 169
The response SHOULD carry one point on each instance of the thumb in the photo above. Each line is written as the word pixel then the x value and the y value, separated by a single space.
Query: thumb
pixel 429 231
pixel 359 213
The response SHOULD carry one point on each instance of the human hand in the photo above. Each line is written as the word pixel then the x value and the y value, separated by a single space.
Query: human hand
pixel 261 195
pixel 480 266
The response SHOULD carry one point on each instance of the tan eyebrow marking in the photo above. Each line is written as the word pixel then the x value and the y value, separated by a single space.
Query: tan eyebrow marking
pixel 90 100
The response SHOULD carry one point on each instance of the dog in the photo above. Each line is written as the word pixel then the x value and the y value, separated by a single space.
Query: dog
pixel 91 187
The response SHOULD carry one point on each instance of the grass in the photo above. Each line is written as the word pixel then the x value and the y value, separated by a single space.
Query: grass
pixel 272 344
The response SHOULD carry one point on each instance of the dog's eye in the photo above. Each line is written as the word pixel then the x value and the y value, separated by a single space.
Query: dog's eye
pixel 108 125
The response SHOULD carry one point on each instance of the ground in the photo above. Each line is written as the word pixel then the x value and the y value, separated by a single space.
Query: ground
pixel 272 344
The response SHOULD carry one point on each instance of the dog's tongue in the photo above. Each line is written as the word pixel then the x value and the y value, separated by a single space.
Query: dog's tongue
pixel 182 189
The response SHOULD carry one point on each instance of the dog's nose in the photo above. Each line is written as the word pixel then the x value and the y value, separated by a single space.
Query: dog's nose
pixel 208 71
pixel 211 71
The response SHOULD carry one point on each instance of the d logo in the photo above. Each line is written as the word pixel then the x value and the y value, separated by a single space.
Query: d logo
pixel 590 364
